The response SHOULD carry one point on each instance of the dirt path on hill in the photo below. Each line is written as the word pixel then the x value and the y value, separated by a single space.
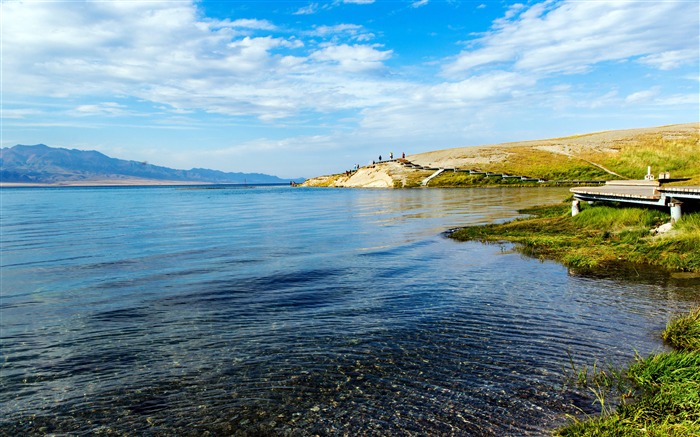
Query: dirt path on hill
pixel 393 174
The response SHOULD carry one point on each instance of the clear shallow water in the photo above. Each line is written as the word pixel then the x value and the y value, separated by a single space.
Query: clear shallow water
pixel 280 311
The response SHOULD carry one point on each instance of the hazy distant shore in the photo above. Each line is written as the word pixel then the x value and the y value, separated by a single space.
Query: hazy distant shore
pixel 102 183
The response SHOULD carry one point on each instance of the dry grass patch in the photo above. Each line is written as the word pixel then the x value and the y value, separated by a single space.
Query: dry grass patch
pixel 536 163
pixel 679 156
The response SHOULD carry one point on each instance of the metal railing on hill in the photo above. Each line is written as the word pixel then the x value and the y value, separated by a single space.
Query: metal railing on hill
pixel 409 164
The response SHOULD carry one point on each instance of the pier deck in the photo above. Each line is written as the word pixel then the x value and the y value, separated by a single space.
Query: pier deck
pixel 681 192
pixel 640 192
pixel 646 194
pixel 633 193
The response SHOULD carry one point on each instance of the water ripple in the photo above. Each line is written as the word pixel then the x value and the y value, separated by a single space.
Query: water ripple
pixel 154 311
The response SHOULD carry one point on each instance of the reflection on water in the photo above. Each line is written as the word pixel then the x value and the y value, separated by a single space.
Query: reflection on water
pixel 298 311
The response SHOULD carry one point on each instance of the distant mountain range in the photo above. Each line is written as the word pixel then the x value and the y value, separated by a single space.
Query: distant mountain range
pixel 48 165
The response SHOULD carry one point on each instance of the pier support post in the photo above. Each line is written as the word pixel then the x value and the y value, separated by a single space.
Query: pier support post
pixel 575 207
pixel 675 210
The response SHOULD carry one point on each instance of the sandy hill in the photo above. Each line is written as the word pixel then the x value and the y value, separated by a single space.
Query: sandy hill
pixel 620 154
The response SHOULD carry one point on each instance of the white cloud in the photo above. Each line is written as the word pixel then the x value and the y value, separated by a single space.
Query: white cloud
pixel 671 59
pixel 253 24
pixel 572 36
pixel 162 52
pixel 494 85
pixel 19 113
pixel 513 10
pixel 354 58
pixel 310 9
pixel 63 48
pixel 341 32
pixel 329 78
pixel 338 29
pixel 419 3
pixel 246 155
pixel 675 100
pixel 453 108
pixel 642 96
pixel 291 144
pixel 359 2
pixel 104 108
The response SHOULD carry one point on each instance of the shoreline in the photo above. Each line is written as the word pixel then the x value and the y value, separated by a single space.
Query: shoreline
pixel 100 183
pixel 130 183
pixel 600 238
pixel 656 394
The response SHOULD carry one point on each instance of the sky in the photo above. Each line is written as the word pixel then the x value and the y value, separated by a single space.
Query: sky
pixel 306 88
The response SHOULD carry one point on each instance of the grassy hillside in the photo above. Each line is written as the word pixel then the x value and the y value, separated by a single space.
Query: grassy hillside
pixel 680 156
pixel 597 156
pixel 622 154
pixel 536 163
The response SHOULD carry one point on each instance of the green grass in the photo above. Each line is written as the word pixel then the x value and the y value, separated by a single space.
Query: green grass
pixel 410 180
pixel 678 156
pixel 684 332
pixel 629 158
pixel 598 237
pixel 661 394
pixel 450 179
pixel 532 162
pixel 658 395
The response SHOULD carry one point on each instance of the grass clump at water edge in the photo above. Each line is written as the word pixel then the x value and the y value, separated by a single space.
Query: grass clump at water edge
pixel 684 332
pixel 658 395
pixel 598 237
pixel 662 394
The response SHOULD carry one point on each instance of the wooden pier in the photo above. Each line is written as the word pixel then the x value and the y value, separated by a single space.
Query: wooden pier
pixel 646 192
pixel 643 192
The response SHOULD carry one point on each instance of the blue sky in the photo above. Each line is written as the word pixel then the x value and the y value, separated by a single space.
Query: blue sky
pixel 299 88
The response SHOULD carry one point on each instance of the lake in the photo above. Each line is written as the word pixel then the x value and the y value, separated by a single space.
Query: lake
pixel 299 311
